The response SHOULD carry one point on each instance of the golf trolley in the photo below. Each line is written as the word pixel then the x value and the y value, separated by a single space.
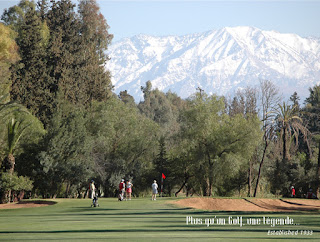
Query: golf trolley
pixel 120 196
pixel 95 202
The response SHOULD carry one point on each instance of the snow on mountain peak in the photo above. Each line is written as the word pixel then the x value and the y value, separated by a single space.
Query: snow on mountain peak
pixel 218 61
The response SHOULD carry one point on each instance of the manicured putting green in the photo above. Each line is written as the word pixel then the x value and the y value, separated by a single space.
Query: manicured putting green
pixel 144 220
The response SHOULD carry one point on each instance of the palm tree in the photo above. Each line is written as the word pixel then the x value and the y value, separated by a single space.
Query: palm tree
pixel 290 125
pixel 7 110
pixel 14 133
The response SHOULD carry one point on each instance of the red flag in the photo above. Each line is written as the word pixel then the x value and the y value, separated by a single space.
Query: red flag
pixel 163 176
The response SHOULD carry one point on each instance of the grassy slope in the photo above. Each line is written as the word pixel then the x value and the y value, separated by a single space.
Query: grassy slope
pixel 138 220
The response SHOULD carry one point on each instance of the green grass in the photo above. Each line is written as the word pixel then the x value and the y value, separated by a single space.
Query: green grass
pixel 141 220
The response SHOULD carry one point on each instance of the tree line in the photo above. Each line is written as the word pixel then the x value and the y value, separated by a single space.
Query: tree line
pixel 62 126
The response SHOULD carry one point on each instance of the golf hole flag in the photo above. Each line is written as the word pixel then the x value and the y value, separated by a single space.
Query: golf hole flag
pixel 163 176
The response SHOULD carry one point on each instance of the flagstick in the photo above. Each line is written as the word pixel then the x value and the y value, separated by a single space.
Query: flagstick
pixel 161 184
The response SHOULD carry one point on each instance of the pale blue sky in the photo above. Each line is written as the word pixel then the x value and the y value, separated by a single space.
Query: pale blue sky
pixel 165 17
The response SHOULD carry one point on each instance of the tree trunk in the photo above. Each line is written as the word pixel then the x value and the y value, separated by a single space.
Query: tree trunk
pixel 210 178
pixel 182 186
pixel 318 174
pixel 208 187
pixel 249 178
pixel 21 195
pixel 67 189
pixel 12 163
pixel 284 138
pixel 86 194
pixel 260 168
pixel 9 163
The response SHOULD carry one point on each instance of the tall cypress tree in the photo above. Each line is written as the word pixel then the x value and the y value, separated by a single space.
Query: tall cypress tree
pixel 61 52
pixel 30 86
pixel 64 49
pixel 77 51
pixel 95 40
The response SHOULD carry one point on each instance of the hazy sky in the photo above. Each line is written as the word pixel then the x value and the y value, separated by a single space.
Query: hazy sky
pixel 165 17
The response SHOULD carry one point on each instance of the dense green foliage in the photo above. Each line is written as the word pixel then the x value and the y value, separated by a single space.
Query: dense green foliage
pixel 61 125
pixel 61 51
pixel 8 55
pixel 124 142
pixel 15 184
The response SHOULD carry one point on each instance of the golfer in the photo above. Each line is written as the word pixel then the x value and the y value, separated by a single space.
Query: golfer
pixel 293 191
pixel 154 190
pixel 92 189
pixel 122 189
pixel 129 186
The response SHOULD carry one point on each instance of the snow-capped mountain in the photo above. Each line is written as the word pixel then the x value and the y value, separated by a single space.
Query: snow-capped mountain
pixel 219 61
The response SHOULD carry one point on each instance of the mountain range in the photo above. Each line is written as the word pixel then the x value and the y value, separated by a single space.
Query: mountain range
pixel 218 61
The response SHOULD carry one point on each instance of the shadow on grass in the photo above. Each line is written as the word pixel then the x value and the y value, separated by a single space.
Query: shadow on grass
pixel 168 213
pixel 37 202
pixel 219 238
pixel 299 204
pixel 265 205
